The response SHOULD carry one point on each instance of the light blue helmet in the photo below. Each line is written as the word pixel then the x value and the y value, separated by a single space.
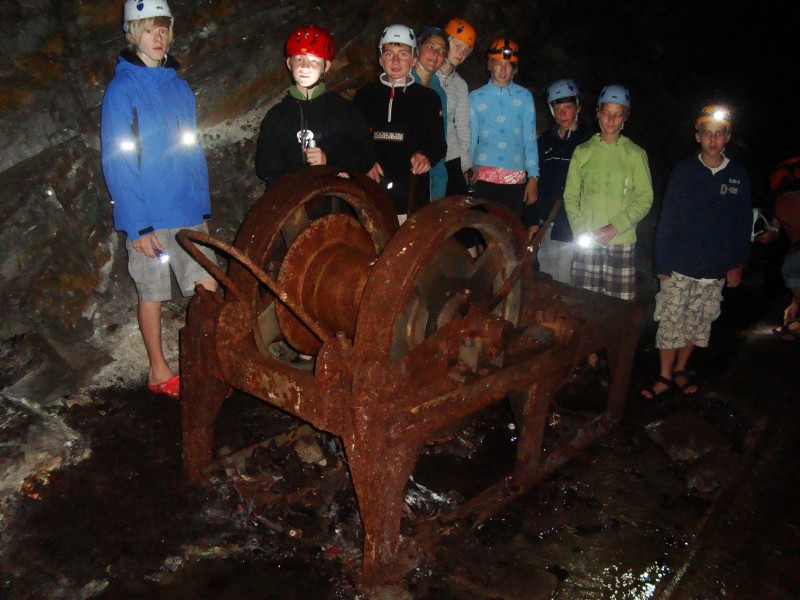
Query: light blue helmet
pixel 563 88
pixel 615 93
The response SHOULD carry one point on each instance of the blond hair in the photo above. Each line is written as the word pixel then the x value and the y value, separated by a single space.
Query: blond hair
pixel 136 29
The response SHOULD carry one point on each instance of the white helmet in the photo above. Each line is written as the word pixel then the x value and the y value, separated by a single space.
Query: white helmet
pixel 144 9
pixel 398 34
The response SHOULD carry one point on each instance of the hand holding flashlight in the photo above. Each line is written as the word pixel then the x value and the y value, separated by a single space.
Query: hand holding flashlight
pixel 161 255
pixel 315 155
pixel 605 234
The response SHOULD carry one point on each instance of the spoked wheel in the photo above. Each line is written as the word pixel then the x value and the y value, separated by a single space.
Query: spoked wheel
pixel 425 277
pixel 303 227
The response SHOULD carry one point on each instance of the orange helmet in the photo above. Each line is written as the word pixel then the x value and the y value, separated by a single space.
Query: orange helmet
pixel 311 40
pixel 714 113
pixel 461 30
pixel 504 49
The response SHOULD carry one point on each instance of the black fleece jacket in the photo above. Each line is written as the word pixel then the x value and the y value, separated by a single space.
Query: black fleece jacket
pixel 338 128
pixel 403 120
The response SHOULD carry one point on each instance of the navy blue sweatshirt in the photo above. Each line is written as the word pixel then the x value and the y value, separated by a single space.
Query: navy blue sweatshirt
pixel 704 228
pixel 554 155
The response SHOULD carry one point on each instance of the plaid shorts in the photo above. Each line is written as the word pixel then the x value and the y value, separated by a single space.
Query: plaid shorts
pixel 151 276
pixel 610 270
pixel 685 309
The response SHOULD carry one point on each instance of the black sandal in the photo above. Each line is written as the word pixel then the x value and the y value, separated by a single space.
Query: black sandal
pixel 653 394
pixel 688 383
pixel 787 334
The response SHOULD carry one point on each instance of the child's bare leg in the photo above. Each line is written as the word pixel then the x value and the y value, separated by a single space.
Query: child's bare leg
pixel 667 360
pixel 666 357
pixel 149 314
pixel 681 360
pixel 209 283
pixel 790 314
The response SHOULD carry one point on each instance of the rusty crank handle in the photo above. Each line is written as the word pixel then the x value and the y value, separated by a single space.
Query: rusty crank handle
pixel 530 253
pixel 188 237
pixel 536 240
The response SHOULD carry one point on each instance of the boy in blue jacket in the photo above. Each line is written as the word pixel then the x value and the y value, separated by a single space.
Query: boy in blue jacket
pixel 155 171
pixel 702 240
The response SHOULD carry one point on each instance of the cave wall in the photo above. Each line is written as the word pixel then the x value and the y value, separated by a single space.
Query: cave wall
pixel 62 262
pixel 62 259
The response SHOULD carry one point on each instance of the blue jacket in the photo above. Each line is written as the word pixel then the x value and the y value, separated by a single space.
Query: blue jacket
pixel 704 228
pixel 503 125
pixel 154 166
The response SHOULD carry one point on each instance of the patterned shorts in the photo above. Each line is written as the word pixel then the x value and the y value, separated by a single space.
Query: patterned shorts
pixel 610 270
pixel 685 309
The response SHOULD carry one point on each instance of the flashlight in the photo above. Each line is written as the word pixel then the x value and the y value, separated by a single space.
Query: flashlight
pixel 161 255
pixel 305 137
pixel 585 240
pixel 386 183
pixel 310 144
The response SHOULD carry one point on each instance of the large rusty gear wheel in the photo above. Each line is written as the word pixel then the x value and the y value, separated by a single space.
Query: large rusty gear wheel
pixel 424 276
pixel 315 199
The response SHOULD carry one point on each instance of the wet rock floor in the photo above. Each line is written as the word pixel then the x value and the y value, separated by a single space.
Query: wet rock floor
pixel 688 498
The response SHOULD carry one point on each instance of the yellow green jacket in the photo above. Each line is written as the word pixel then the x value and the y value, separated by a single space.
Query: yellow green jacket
pixel 608 183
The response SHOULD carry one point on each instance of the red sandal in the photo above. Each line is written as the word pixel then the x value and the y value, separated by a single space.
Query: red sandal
pixel 171 387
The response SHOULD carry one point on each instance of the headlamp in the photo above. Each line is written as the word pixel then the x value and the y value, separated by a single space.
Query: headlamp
pixel 503 49
pixel 715 113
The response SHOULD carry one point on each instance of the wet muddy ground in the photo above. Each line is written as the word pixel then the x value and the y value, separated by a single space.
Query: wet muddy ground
pixel 688 498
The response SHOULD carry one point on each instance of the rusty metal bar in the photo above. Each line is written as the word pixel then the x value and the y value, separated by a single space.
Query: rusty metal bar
pixel 187 237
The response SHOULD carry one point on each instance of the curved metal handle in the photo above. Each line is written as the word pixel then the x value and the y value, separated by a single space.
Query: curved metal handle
pixel 187 237
pixel 536 240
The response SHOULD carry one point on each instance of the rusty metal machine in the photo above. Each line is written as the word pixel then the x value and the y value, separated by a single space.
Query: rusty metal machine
pixel 411 336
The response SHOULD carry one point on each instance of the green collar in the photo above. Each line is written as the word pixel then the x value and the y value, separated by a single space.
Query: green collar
pixel 314 92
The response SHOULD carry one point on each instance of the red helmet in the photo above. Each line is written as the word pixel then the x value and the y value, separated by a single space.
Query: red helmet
pixel 311 40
